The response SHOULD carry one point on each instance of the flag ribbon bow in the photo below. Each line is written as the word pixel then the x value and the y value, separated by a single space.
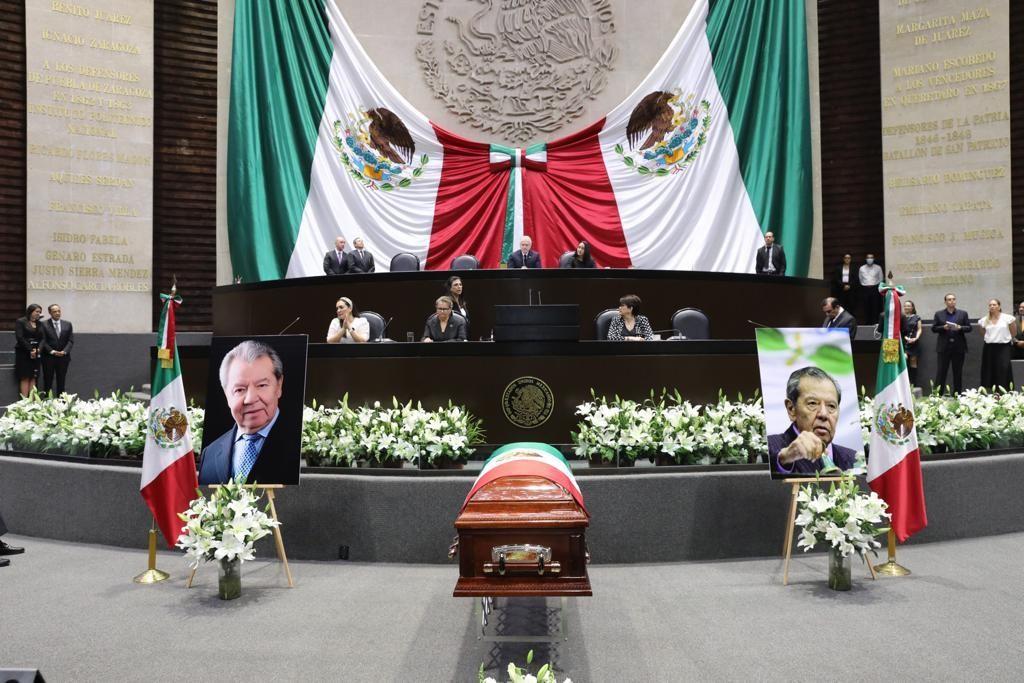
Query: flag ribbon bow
pixel 891 335
pixel 165 336
pixel 535 158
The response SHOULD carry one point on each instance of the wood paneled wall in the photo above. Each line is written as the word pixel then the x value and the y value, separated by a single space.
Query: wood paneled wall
pixel 184 172
pixel 12 162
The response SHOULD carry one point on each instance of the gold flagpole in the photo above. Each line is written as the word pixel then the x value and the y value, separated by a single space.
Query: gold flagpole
pixel 891 568
pixel 152 575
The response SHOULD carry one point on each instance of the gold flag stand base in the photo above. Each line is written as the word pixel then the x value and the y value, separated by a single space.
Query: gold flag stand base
pixel 892 568
pixel 152 575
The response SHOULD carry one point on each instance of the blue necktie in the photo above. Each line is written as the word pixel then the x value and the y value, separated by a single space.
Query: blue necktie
pixel 252 451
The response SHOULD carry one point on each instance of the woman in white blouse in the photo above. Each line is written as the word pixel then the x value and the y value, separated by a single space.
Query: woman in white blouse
pixel 999 329
pixel 348 327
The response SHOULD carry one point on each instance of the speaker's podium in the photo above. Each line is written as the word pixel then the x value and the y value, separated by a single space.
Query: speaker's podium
pixel 552 322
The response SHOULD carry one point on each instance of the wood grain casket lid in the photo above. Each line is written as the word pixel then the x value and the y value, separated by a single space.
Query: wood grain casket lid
pixel 521 501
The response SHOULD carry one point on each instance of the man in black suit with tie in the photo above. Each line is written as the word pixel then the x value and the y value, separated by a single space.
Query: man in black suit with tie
pixel 58 338
pixel 525 257
pixel 838 317
pixel 952 326
pixel 360 260
pixel 771 260
pixel 336 260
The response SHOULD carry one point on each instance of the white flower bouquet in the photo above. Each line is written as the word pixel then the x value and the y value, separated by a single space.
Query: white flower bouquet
pixel 842 517
pixel 225 526
pixel 521 675
pixel 620 427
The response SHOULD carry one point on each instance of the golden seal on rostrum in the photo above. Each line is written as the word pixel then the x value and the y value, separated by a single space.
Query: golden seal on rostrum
pixel 527 402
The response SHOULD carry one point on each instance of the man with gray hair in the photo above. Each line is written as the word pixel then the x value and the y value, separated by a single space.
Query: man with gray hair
pixel 252 377
pixel 526 257
pixel 807 447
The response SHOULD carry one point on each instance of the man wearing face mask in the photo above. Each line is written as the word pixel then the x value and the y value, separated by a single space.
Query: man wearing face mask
pixel 870 274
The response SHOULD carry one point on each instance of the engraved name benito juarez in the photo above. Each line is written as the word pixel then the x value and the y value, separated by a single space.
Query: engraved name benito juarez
pixel 519 69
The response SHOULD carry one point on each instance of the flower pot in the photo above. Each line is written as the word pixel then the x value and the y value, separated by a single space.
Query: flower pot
pixel 663 460
pixel 598 461
pixel 229 583
pixel 446 463
pixel 839 578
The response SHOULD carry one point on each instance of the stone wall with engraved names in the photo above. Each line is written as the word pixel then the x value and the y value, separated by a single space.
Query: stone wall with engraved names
pixel 89 148
pixel 945 76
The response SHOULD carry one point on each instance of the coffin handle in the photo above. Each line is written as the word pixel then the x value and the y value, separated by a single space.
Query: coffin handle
pixel 453 549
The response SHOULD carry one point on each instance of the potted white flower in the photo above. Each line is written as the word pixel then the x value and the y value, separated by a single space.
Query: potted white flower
pixel 845 519
pixel 520 675
pixel 224 528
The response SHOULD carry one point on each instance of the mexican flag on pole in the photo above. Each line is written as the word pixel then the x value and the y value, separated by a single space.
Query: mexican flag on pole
pixel 894 465
pixel 169 480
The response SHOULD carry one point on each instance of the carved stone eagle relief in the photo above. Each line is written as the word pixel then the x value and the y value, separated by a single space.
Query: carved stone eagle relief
pixel 520 69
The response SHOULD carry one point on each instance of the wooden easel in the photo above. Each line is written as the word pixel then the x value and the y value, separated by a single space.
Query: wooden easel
pixel 278 538
pixel 787 550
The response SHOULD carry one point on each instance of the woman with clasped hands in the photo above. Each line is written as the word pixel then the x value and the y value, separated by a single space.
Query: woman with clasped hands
pixel 348 327
pixel 28 338
pixel 443 326
pixel 630 325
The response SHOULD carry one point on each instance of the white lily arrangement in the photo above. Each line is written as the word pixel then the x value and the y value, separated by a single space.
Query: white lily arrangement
pixel 378 434
pixel 723 432
pixel 111 426
pixel 521 675
pixel 225 526
pixel 842 517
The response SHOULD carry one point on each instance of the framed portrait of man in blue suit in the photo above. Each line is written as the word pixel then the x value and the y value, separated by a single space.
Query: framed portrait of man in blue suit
pixel 253 424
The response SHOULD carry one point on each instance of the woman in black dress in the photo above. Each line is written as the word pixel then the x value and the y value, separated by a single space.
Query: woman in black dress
pixel 453 290
pixel 582 257
pixel 443 326
pixel 28 339
pixel 910 328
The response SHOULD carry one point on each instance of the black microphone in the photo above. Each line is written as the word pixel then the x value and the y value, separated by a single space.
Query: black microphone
pixel 384 329
pixel 538 298
pixel 289 325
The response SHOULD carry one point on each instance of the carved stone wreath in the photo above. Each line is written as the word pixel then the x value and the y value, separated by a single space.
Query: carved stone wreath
pixel 518 69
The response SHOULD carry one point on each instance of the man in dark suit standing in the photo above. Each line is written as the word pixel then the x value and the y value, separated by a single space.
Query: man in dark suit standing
pixel 952 326
pixel 58 338
pixel 336 260
pixel 360 260
pixel 4 548
pixel 252 377
pixel 771 260
pixel 525 257
pixel 838 317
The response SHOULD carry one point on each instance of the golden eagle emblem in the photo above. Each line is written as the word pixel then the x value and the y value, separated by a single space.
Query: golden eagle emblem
pixel 665 133
pixel 167 426
pixel 378 150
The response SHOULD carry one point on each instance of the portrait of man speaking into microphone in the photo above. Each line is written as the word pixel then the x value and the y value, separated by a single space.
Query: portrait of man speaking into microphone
pixel 253 424
pixel 812 416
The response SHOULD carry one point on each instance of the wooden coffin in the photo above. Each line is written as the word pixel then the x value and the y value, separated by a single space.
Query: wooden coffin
pixel 522 536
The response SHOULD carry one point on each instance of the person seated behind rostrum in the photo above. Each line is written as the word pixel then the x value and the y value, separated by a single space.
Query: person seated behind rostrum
pixel 630 325
pixel 348 326
pixel 443 326
pixel 582 257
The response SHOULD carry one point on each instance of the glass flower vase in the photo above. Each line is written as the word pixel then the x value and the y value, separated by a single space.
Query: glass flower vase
pixel 839 578
pixel 229 584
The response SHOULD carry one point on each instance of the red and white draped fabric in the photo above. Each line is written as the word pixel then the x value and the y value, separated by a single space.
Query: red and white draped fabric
pixel 655 184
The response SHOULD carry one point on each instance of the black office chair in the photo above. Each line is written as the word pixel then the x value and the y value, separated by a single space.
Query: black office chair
pixel 404 263
pixel 465 262
pixel 377 323
pixel 691 323
pixel 603 321
pixel 566 259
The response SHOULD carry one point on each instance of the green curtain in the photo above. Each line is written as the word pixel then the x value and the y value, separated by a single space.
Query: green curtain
pixel 759 48
pixel 281 59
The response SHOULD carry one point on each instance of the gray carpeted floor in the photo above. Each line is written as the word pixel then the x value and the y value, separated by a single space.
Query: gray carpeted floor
pixel 73 611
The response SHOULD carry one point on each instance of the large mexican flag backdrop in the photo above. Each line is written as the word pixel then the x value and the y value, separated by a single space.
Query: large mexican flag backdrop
pixel 708 152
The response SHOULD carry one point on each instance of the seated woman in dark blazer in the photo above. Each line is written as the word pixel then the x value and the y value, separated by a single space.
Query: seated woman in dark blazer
pixel 453 290
pixel 582 257
pixel 443 326
pixel 630 325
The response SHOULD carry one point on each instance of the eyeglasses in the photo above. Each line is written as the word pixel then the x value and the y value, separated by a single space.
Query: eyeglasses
pixel 443 309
